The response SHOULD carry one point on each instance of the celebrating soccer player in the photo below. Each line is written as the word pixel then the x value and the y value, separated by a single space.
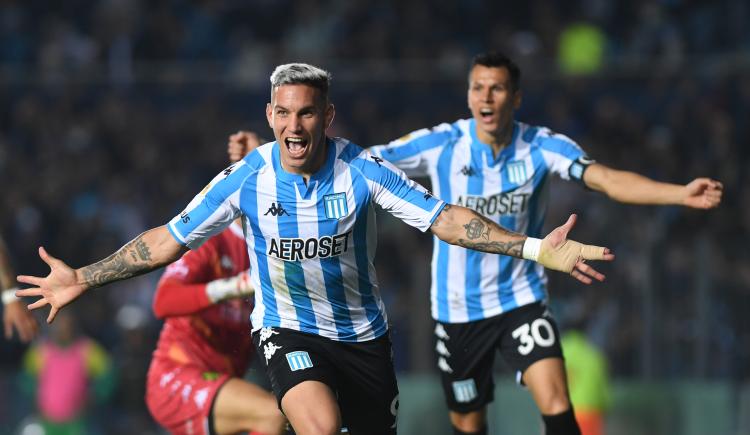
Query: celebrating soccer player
pixel 481 303
pixel 306 204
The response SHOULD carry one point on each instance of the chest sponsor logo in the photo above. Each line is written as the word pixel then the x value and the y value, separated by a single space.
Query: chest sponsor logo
pixel 294 249
pixel 517 172
pixel 495 205
pixel 299 360
pixel 335 205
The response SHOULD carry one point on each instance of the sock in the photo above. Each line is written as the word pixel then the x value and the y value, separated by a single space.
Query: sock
pixel 563 423
pixel 482 431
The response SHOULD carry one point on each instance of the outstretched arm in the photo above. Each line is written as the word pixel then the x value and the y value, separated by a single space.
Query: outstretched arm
pixel 632 188
pixel 15 315
pixel 150 250
pixel 464 227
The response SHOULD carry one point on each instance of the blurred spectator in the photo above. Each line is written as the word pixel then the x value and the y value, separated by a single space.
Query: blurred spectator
pixel 67 373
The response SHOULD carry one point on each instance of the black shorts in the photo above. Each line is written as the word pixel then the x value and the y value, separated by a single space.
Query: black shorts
pixel 360 374
pixel 465 352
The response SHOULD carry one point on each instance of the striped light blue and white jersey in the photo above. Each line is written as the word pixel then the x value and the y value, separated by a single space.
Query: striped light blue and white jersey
pixel 311 245
pixel 510 189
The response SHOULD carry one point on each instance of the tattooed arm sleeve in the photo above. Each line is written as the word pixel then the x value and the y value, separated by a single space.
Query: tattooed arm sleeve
pixel 151 250
pixel 464 227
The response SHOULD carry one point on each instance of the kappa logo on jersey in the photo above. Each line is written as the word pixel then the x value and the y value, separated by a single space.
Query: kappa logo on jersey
pixel 228 171
pixel 276 210
pixel 500 204
pixel 306 249
pixel 378 160
pixel 427 195
pixel 464 391
pixel 299 360
pixel 517 172
pixel 468 171
pixel 335 205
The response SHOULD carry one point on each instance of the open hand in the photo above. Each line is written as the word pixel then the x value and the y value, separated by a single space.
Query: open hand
pixel 569 256
pixel 57 289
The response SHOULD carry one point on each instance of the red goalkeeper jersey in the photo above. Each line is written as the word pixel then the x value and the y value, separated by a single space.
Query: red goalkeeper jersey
pixel 213 337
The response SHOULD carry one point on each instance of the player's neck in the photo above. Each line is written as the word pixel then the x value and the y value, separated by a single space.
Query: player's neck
pixel 497 140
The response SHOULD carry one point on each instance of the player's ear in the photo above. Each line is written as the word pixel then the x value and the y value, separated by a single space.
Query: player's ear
pixel 330 114
pixel 269 115
pixel 517 97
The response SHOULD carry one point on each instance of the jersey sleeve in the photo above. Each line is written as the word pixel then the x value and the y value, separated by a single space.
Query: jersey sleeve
pixel 396 193
pixel 213 209
pixel 416 152
pixel 562 155
pixel 182 288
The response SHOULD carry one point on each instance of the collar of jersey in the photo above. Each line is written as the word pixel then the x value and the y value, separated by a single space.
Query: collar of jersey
pixel 486 150
pixel 324 172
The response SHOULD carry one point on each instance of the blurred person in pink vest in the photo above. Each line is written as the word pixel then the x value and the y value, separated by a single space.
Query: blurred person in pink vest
pixel 66 372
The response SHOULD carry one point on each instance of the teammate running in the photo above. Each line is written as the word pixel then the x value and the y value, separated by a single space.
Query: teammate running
pixel 195 383
pixel 306 201
pixel 482 303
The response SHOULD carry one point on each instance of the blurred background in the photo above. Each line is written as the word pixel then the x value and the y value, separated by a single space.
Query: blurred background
pixel 116 112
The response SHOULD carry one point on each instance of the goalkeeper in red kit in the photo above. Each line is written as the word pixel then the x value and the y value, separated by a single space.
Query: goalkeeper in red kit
pixel 195 383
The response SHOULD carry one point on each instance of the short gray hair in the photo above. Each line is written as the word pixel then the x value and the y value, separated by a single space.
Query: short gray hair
pixel 301 73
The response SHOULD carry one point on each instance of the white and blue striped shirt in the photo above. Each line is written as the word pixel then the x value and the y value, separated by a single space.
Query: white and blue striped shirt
pixel 311 245
pixel 510 189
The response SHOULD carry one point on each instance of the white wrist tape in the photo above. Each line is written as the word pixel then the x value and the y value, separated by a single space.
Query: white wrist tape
pixel 531 248
pixel 220 289
pixel 9 296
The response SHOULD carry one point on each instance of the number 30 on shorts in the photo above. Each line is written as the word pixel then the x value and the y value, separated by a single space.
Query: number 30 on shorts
pixel 529 335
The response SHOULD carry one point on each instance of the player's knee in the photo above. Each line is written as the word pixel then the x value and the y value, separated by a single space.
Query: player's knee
pixel 555 403
pixel 274 424
pixel 468 423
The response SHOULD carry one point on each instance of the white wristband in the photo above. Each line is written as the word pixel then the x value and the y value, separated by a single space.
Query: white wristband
pixel 531 248
pixel 221 289
pixel 9 296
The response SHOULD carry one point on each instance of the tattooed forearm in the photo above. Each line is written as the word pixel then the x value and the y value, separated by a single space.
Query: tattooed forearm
pixel 513 248
pixel 131 260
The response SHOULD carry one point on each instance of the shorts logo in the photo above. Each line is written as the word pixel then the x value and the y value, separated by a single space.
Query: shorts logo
pixel 444 366
pixel 299 360
pixel 517 172
pixel 270 349
pixel 464 391
pixel 335 205
pixel 266 332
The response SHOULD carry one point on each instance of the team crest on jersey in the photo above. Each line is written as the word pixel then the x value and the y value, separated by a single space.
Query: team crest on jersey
pixel 517 172
pixel 335 205
pixel 299 360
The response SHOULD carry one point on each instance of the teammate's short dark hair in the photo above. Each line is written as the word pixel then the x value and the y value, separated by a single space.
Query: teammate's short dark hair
pixel 494 59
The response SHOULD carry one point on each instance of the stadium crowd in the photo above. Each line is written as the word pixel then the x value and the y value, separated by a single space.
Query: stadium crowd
pixel 117 111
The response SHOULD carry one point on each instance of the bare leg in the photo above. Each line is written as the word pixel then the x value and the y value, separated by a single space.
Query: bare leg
pixel 312 409
pixel 548 384
pixel 243 407
pixel 469 422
